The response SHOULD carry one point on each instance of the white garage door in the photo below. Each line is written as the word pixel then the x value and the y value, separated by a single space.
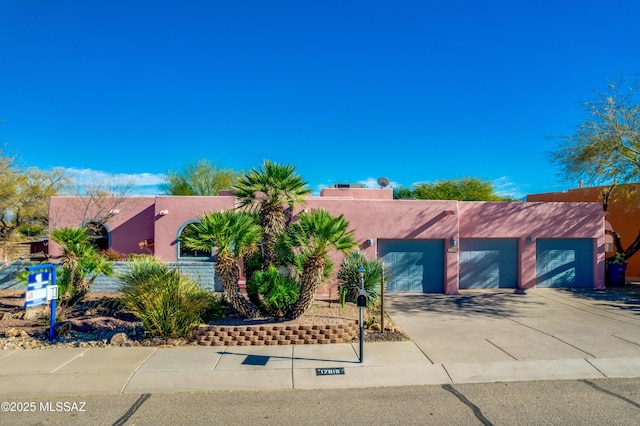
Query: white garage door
pixel 488 263
pixel 415 266
pixel 564 262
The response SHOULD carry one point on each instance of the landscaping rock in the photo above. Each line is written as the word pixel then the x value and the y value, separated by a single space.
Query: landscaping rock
pixel 62 328
pixel 101 327
pixel 119 339
pixel 13 332
pixel 33 314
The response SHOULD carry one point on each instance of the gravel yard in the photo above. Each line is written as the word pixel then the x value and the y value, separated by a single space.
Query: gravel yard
pixel 95 322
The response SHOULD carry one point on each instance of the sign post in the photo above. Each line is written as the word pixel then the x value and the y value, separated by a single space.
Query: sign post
pixel 41 287
pixel 361 302
pixel 382 298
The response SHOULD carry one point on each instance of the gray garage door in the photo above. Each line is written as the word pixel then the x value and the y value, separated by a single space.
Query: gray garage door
pixel 414 265
pixel 488 263
pixel 564 262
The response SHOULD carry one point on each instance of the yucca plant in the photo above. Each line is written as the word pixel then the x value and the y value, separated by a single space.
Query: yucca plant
pixel 349 277
pixel 168 303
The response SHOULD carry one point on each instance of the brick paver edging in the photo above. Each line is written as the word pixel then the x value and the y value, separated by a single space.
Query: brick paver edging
pixel 255 335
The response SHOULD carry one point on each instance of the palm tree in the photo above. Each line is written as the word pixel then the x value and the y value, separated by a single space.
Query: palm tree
pixel 81 263
pixel 232 234
pixel 273 190
pixel 313 236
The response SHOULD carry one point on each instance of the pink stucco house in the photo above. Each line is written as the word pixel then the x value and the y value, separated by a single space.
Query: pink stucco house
pixel 428 246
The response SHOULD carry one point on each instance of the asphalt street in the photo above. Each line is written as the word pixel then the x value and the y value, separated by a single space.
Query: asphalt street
pixel 577 402
pixel 549 357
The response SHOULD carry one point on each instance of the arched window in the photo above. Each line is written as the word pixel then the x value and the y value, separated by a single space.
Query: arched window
pixel 98 234
pixel 187 254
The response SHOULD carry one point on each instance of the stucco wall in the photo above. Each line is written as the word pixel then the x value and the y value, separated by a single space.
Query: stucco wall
pixel 132 223
pixel 536 220
pixel 358 193
pixel 624 211
pixel 162 218
pixel 398 219
pixel 179 211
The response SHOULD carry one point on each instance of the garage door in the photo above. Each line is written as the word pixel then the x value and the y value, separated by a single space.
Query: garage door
pixel 564 262
pixel 488 263
pixel 414 265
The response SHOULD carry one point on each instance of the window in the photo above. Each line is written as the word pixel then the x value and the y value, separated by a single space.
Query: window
pixel 187 254
pixel 98 235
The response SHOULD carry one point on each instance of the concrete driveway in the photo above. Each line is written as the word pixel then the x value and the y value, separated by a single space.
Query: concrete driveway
pixel 497 327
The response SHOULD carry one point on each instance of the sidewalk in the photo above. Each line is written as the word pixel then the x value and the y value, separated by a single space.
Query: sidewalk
pixel 481 336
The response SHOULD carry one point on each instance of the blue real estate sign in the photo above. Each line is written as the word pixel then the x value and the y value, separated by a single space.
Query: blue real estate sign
pixel 41 287
pixel 37 289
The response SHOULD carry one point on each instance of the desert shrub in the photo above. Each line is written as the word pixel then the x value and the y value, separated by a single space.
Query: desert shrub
pixel 140 257
pixel 31 230
pixel 349 277
pixel 112 255
pixel 277 289
pixel 168 303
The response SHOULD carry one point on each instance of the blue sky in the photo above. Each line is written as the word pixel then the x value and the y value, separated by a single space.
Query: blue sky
pixel 347 91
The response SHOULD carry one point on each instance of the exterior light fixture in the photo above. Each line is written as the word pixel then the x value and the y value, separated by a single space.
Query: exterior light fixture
pixel 529 240
pixel 114 211
pixel 164 212
pixel 369 242
pixel 453 242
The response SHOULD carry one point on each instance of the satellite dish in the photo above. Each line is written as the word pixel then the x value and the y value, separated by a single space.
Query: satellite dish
pixel 383 182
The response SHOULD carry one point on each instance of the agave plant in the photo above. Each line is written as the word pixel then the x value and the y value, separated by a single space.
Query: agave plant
pixel 233 234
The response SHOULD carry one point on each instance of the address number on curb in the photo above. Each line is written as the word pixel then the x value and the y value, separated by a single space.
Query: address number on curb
pixel 329 371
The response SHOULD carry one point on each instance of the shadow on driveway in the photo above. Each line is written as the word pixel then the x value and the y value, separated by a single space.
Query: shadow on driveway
pixel 469 303
pixel 626 298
